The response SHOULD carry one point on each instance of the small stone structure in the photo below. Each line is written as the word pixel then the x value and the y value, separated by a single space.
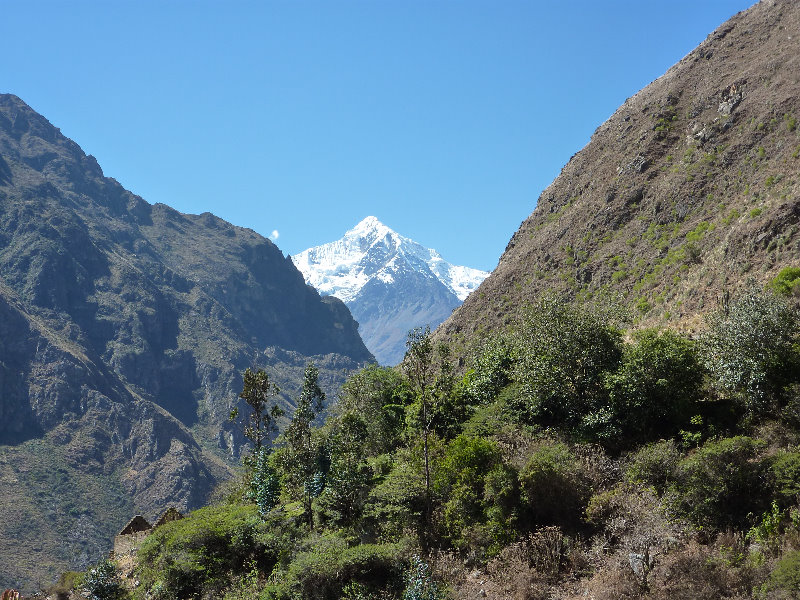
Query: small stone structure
pixel 130 538
pixel 171 514
pixel 127 540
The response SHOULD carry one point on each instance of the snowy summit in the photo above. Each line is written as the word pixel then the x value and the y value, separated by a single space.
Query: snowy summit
pixel 390 283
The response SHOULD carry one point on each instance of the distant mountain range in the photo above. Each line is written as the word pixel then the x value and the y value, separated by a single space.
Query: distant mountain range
pixel 124 331
pixel 390 283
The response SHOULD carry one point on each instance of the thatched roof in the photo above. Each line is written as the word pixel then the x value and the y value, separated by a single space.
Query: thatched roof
pixel 135 525
pixel 171 514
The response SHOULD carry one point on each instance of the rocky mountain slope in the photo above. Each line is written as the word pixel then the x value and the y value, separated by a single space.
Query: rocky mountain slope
pixel 688 193
pixel 389 282
pixel 124 330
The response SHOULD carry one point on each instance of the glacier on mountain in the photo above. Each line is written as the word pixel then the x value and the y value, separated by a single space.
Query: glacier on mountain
pixel 371 249
pixel 390 283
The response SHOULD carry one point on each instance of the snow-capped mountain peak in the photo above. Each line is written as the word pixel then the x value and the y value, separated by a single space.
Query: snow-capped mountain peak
pixel 373 250
pixel 390 283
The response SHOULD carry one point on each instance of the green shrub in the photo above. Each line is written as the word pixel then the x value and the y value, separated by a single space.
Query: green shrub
pixel 323 572
pixel 655 390
pixel 492 371
pixel 397 502
pixel 566 352
pixel 785 469
pixel 722 482
pixel 751 350
pixel 102 582
pixel 264 482
pixel 67 582
pixel 785 576
pixel 655 465
pixel 554 486
pixel 379 396
pixel 420 585
pixel 787 282
pixel 477 492
pixel 196 554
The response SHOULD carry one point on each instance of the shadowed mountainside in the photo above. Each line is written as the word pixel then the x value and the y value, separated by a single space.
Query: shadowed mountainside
pixel 125 329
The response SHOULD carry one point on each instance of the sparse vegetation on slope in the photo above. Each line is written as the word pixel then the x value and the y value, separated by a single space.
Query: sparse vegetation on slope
pixel 689 193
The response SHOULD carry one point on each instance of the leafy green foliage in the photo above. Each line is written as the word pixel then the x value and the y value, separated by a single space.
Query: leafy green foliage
pixel 349 477
pixel 301 459
pixel 721 482
pixel 787 282
pixel 567 350
pixel 257 392
pixel 493 469
pixel 786 575
pixel 419 582
pixel 102 582
pixel 264 482
pixel 554 485
pixel 655 464
pixel 656 388
pixel 785 470
pixel 492 371
pixel 397 502
pixel 752 350
pixel 196 554
pixel 322 572
pixel 379 396
pixel 478 493
pixel 421 415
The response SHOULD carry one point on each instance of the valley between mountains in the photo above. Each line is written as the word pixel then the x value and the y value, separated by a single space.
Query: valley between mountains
pixel 612 413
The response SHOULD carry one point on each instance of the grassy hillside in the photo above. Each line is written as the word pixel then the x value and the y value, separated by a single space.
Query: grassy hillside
pixel 687 194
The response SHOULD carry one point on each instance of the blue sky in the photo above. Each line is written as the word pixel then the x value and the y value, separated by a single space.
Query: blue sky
pixel 443 118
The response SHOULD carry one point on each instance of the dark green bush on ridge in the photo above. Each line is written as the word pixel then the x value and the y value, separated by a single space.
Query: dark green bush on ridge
pixel 322 572
pixel 554 487
pixel 722 482
pixel 566 352
pixel 785 468
pixel 477 492
pixel 655 391
pixel 185 558
pixel 655 464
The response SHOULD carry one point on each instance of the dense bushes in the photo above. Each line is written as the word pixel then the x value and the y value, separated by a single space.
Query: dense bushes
pixel 478 493
pixel 184 558
pixel 322 572
pixel 655 390
pixel 722 482
pixel 564 445
pixel 785 470
pixel 554 486
pixel 751 350
pixel 566 352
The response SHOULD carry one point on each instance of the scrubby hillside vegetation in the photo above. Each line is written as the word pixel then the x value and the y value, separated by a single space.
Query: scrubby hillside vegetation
pixel 687 194
pixel 573 459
